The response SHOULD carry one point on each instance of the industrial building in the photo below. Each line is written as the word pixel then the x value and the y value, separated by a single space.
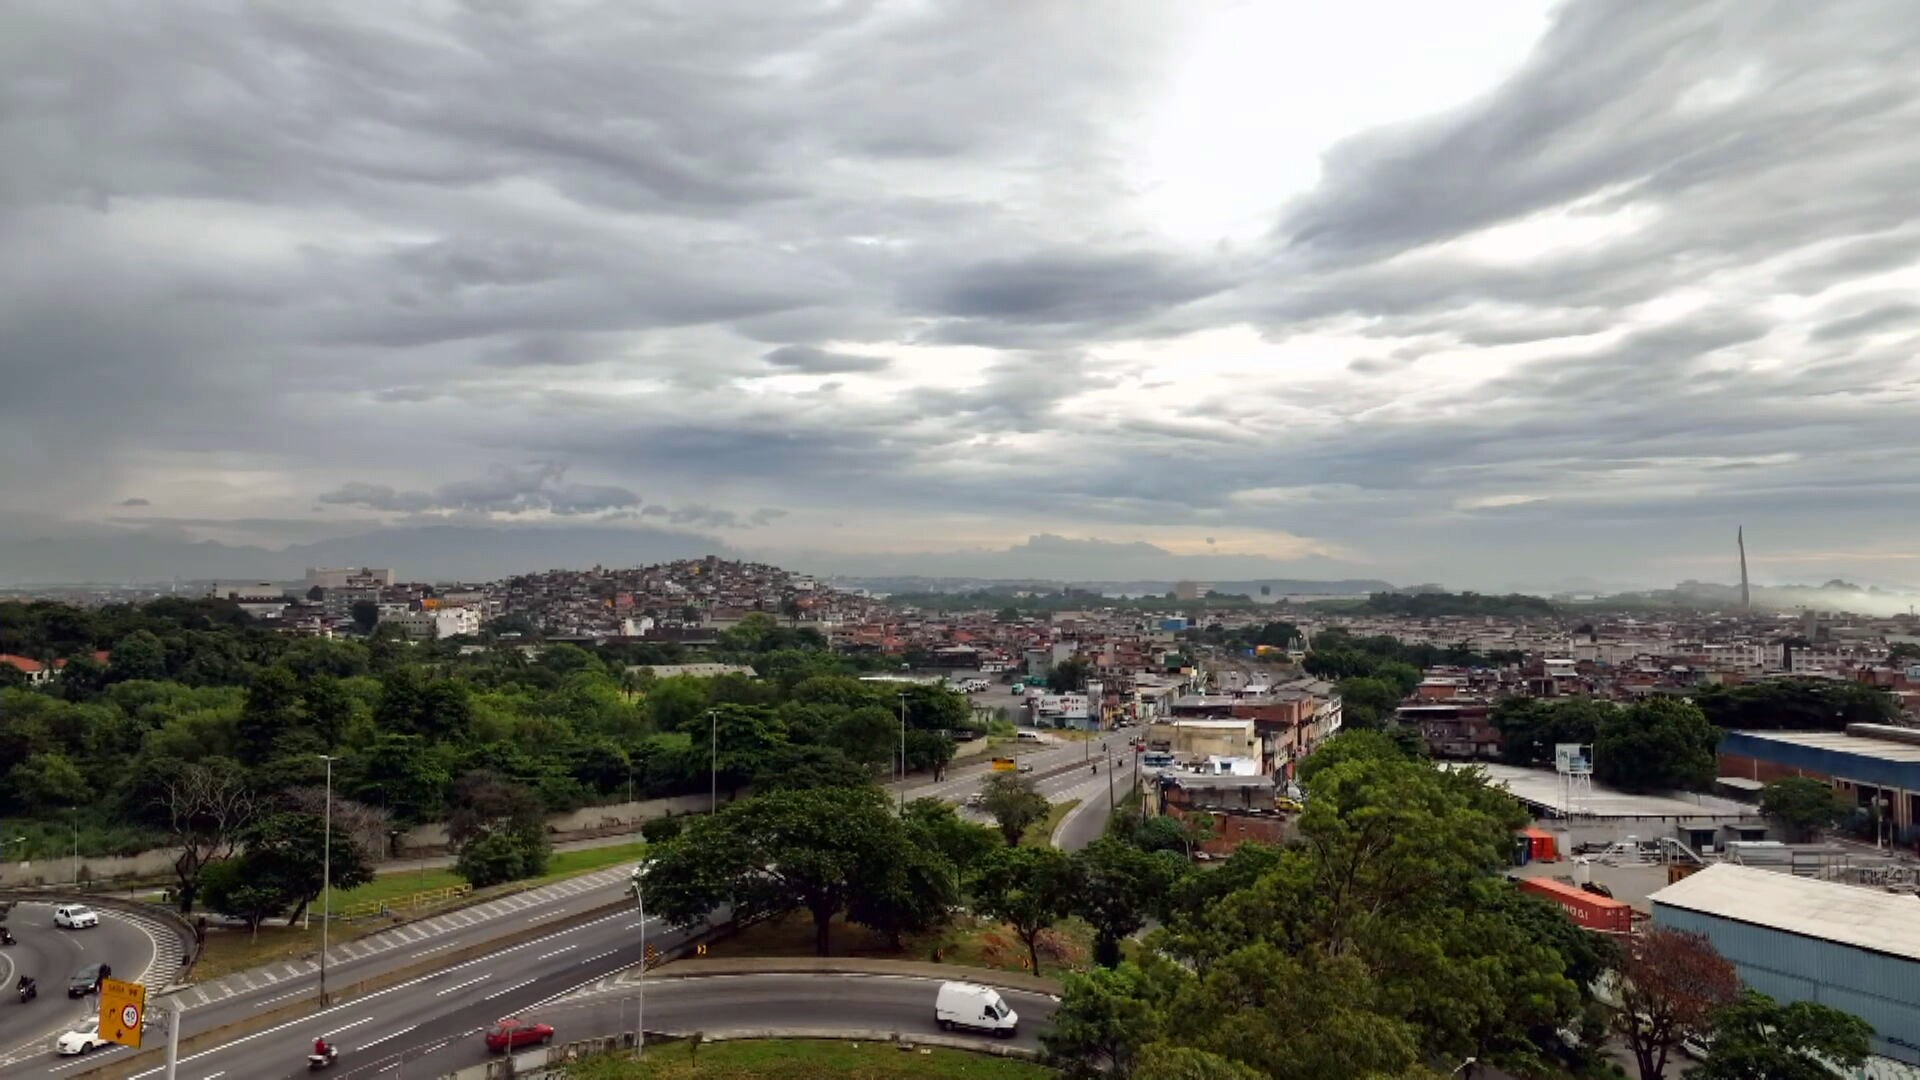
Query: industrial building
pixel 1797 939
pixel 1870 765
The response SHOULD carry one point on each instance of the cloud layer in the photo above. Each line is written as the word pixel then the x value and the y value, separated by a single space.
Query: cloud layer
pixel 877 277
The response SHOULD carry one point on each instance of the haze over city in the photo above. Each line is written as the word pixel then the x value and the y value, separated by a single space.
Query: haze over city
pixel 1517 295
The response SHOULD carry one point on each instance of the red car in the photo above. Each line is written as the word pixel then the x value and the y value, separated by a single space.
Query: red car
pixel 511 1033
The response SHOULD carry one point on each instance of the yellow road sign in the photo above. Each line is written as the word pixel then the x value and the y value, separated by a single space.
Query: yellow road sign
pixel 123 1006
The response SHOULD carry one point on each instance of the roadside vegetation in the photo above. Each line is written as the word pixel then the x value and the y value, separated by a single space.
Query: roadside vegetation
pixel 791 1059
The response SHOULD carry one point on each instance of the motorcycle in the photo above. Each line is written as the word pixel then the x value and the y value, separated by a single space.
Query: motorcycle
pixel 28 990
pixel 316 1062
pixel 6 936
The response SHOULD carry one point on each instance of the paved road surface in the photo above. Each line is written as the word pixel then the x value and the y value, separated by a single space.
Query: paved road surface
pixel 237 996
pixel 51 955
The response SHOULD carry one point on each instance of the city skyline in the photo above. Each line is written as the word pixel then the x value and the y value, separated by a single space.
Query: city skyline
pixel 1506 298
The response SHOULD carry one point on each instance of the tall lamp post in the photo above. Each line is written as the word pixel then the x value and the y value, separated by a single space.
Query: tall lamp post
pixel 640 1014
pixel 903 753
pixel 326 877
pixel 713 761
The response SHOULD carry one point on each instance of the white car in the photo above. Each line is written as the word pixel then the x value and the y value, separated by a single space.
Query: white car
pixel 75 916
pixel 80 1041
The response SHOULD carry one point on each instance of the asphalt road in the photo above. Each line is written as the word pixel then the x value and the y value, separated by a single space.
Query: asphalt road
pixel 237 996
pixel 51 955
pixel 432 1024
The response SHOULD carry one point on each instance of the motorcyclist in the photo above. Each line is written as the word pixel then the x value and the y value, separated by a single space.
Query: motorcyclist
pixel 321 1048
pixel 28 987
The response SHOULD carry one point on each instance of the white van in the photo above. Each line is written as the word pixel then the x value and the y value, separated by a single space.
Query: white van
pixel 969 1005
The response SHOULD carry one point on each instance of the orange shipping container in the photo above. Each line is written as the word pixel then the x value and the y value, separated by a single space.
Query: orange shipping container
pixel 1540 845
pixel 1588 909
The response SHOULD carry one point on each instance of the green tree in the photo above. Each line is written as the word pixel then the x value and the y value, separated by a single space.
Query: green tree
pixel 1367 702
pixel 773 853
pixel 1802 804
pixel 401 773
pixel 1069 675
pixel 233 890
pixel 505 822
pixel 868 735
pixel 272 710
pixel 1029 889
pixel 1119 887
pixel 929 751
pixel 1530 728
pixel 139 655
pixel 285 850
pixel 1671 985
pixel 1106 1017
pixel 937 825
pixel 1757 1038
pixel 678 704
pixel 1659 745
pixel 47 782
pixel 1164 1061
pixel 1014 804
pixel 802 768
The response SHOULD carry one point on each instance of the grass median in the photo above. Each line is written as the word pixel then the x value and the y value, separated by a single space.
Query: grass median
pixel 231 950
pixel 804 1059
pixel 1041 833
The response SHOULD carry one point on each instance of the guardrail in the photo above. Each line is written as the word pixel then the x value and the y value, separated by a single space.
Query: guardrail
pixel 425 898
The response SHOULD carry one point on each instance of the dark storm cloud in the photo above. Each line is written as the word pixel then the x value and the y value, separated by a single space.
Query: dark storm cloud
pixel 809 360
pixel 1063 288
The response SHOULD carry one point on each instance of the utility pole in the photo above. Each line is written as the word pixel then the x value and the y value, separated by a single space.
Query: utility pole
pixel 903 753
pixel 326 879
pixel 713 759
pixel 73 822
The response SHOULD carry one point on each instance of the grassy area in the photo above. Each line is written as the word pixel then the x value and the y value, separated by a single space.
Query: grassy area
pixel 805 1060
pixel 228 951
pixel 1041 834
pixel 971 941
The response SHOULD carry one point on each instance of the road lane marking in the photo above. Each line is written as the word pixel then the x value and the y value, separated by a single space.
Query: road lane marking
pixel 214 1076
pixel 556 952
pixel 509 990
pixel 376 994
pixel 601 956
pixel 436 948
pixel 284 997
pixel 384 1038
pixel 462 986
pixel 343 1027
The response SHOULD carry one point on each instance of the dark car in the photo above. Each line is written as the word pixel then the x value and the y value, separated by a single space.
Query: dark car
pixel 88 979
pixel 511 1033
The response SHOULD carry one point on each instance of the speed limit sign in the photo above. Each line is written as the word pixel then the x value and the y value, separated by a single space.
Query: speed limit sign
pixel 123 1006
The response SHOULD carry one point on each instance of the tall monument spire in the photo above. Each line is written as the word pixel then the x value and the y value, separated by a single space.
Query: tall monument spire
pixel 1746 597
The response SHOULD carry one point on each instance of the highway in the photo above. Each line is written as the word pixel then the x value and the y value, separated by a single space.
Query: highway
pixel 431 1024
pixel 51 955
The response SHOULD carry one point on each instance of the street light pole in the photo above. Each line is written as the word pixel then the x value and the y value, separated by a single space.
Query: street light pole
pixel 73 822
pixel 640 1013
pixel 326 878
pixel 903 754
pixel 713 761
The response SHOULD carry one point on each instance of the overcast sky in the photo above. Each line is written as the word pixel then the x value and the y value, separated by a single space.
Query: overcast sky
pixel 1500 293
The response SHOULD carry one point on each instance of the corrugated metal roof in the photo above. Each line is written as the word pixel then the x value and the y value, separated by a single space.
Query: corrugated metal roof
pixel 1867 746
pixel 1845 914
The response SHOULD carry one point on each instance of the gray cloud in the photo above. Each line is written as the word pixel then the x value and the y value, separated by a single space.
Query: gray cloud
pixel 135 502
pixel 503 490
pixel 812 361
pixel 1637 280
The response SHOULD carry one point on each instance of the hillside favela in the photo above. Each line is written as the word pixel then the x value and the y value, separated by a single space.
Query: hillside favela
pixel 923 540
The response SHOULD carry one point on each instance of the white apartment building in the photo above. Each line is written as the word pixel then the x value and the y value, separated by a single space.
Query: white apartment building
pixel 436 623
